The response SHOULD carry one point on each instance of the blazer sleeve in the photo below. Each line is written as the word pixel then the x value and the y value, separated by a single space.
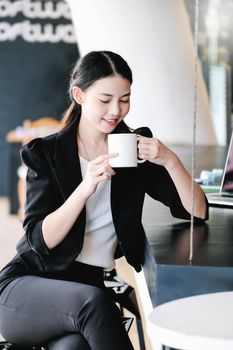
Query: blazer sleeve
pixel 40 197
pixel 160 186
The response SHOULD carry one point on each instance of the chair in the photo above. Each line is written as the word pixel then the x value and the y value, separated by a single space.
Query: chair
pixel 31 129
pixel 125 299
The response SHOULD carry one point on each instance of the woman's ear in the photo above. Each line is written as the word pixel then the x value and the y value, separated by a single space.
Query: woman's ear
pixel 77 94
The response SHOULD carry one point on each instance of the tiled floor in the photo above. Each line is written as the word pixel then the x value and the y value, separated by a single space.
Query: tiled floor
pixel 11 231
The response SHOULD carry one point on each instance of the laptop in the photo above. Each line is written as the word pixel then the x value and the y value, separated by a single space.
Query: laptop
pixel 224 198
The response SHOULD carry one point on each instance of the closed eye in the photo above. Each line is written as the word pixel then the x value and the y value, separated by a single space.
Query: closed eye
pixel 103 101
pixel 107 101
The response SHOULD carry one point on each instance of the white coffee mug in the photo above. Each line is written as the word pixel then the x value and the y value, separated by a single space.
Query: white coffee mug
pixel 126 147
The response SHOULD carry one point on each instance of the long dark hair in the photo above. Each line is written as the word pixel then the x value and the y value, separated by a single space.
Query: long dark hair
pixel 93 66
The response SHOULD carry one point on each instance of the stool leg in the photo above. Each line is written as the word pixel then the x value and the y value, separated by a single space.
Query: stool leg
pixel 140 334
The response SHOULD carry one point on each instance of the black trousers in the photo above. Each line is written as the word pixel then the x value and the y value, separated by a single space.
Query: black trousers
pixel 61 314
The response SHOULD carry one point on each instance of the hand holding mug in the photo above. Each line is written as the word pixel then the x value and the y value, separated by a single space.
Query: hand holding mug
pixel 98 170
pixel 155 151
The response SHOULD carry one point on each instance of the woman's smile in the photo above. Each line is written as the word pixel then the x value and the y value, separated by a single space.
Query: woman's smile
pixel 110 122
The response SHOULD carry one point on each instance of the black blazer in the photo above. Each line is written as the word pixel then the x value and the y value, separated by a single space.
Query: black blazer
pixel 54 173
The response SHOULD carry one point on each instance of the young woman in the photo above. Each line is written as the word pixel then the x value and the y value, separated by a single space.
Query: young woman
pixel 82 214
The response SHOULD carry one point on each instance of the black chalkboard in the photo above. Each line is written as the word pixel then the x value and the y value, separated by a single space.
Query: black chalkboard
pixel 38 48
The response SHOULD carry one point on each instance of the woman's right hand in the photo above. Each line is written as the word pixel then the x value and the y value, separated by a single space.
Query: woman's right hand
pixel 98 170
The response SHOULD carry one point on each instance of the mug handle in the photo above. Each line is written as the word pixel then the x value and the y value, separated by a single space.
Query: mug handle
pixel 143 131
pixel 140 160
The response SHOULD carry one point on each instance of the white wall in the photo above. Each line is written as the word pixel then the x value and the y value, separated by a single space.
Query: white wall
pixel 154 36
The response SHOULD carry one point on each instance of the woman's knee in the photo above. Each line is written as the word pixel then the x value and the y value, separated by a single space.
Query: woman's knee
pixel 71 342
pixel 88 297
pixel 98 299
pixel 98 308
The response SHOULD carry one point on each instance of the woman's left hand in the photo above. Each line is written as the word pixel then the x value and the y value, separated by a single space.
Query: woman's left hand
pixel 155 151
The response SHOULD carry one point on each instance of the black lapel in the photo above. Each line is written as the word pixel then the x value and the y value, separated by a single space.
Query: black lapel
pixel 66 161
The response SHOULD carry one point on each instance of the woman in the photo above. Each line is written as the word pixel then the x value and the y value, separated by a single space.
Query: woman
pixel 81 214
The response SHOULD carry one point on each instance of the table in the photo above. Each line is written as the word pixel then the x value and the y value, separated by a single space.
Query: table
pixel 16 138
pixel 196 323
pixel 168 272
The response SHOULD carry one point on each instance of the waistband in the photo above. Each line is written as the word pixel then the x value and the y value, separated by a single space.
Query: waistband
pixel 82 273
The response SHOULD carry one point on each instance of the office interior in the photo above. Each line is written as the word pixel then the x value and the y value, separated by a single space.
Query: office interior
pixel 181 55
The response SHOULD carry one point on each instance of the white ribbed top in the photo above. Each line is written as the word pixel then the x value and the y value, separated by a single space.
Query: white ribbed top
pixel 100 239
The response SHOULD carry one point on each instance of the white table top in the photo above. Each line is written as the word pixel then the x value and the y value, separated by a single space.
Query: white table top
pixel 199 322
